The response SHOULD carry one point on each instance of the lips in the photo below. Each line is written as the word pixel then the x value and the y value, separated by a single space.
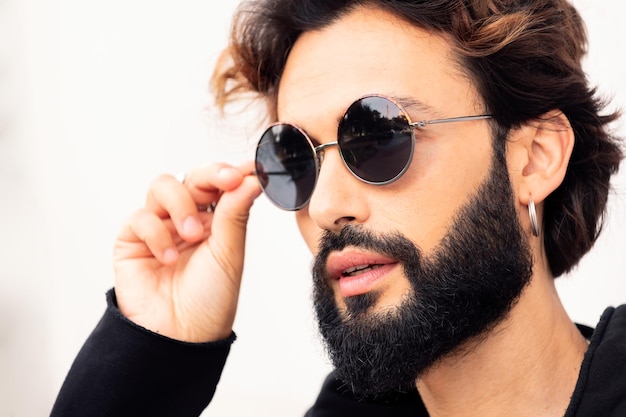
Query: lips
pixel 350 272
pixel 358 272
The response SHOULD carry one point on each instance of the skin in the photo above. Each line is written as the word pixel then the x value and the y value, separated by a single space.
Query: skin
pixel 178 271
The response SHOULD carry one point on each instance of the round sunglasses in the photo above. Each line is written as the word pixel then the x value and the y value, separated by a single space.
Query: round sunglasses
pixel 375 139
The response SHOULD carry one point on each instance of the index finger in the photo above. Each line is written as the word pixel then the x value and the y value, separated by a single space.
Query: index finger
pixel 167 197
pixel 206 184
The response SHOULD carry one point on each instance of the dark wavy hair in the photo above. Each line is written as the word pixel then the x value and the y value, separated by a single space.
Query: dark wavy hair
pixel 524 57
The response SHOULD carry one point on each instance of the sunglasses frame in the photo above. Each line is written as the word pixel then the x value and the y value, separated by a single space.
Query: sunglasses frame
pixel 316 150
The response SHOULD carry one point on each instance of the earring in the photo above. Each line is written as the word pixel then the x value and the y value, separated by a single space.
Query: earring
pixel 532 213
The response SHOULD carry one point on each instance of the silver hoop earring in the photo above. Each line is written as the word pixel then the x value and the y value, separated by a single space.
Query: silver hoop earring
pixel 532 213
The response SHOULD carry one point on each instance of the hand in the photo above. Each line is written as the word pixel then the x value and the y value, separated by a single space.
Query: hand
pixel 178 269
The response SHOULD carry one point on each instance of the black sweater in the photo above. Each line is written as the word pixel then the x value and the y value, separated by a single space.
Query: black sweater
pixel 126 370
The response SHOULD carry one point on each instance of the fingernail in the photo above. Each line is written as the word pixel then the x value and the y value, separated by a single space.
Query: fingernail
pixel 192 226
pixel 228 173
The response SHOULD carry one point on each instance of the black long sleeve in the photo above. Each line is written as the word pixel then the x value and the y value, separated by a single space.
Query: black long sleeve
pixel 126 370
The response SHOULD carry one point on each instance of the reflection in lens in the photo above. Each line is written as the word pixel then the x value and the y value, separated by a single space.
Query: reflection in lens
pixel 286 166
pixel 376 140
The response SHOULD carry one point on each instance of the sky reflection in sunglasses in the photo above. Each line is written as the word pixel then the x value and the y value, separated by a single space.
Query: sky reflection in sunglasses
pixel 375 138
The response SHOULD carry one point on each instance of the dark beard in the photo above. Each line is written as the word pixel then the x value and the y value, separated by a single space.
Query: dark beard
pixel 459 293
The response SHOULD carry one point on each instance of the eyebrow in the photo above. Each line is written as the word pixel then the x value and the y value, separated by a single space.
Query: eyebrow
pixel 424 110
pixel 411 105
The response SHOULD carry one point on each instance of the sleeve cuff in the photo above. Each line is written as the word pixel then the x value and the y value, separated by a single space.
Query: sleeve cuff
pixel 126 370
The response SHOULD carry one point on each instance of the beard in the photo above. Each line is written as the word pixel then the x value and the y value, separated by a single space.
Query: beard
pixel 458 294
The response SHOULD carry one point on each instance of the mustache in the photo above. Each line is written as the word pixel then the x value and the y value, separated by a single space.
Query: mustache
pixel 391 244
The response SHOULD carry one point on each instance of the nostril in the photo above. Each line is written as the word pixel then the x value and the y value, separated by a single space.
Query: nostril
pixel 344 220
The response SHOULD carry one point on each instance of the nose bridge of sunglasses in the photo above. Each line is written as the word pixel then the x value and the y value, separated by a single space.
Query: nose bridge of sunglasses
pixel 320 150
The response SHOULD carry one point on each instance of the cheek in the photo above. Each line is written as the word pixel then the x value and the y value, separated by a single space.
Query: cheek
pixel 426 200
pixel 308 230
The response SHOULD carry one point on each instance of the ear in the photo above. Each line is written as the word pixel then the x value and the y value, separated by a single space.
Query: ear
pixel 541 150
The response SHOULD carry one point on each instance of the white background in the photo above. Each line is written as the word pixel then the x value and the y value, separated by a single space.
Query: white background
pixel 96 99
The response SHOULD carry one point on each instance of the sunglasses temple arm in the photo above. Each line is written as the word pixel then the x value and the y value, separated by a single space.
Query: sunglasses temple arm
pixel 423 123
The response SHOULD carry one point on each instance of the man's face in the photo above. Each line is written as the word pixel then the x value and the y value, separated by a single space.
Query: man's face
pixel 395 249
pixel 458 293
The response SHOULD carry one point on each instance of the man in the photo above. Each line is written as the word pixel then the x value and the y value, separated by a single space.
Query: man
pixel 446 162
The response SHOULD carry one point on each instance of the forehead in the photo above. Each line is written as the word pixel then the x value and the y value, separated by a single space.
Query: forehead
pixel 370 51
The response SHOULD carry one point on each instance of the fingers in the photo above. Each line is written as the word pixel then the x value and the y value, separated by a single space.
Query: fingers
pixel 231 218
pixel 203 182
pixel 147 235
pixel 168 198
pixel 171 217
pixel 233 207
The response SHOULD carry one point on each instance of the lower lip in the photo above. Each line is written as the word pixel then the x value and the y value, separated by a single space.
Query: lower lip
pixel 350 286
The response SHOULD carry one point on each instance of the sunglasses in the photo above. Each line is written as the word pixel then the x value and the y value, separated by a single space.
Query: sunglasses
pixel 375 139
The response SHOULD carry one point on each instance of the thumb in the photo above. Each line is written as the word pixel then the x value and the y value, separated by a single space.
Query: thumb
pixel 230 221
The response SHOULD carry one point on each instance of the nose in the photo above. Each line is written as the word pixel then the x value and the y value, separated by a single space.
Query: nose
pixel 339 197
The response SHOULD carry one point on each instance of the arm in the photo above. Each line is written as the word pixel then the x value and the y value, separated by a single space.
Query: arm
pixel 162 343
pixel 126 370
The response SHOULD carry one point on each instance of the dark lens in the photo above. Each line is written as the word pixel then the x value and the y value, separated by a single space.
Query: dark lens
pixel 376 140
pixel 286 166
